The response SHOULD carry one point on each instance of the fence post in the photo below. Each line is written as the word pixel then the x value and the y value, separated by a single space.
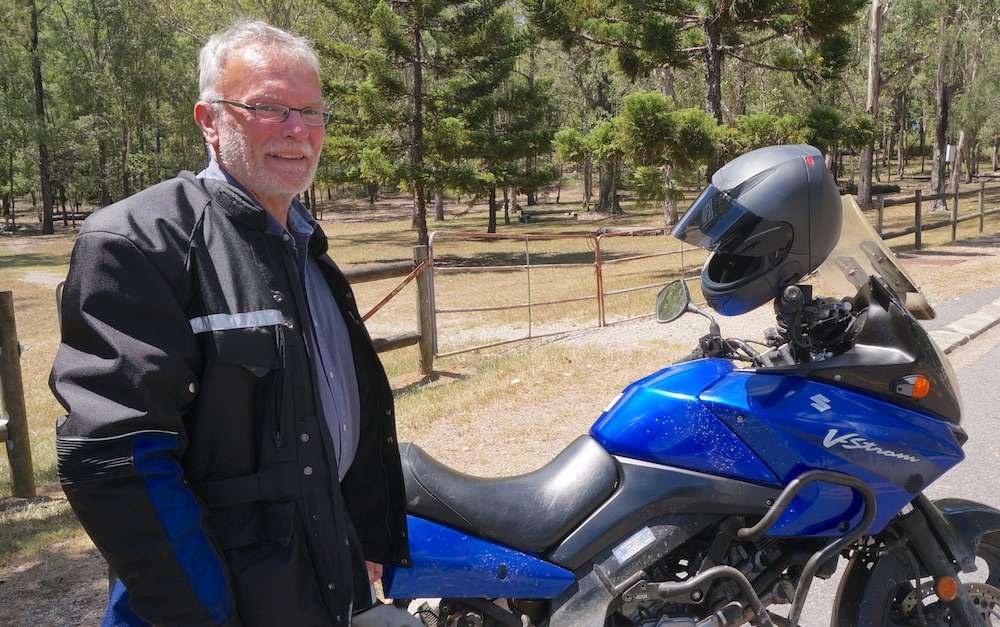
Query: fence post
pixel 982 206
pixel 425 311
pixel 954 216
pixel 14 421
pixel 918 220
pixel 881 213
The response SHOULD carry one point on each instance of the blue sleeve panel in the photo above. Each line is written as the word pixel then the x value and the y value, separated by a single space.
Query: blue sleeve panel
pixel 156 533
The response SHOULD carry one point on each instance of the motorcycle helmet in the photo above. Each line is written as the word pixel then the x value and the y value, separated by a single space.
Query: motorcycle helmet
pixel 770 217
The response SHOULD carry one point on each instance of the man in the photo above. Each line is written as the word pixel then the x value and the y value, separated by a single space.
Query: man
pixel 230 440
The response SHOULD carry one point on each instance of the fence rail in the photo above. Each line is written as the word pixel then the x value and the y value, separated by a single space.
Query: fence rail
pixel 953 220
pixel 593 254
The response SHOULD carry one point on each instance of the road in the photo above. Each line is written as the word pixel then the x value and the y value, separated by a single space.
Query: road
pixel 977 365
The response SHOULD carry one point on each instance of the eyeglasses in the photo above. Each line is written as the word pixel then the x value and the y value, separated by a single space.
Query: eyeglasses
pixel 277 113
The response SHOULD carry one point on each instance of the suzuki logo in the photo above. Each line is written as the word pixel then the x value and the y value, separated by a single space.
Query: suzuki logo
pixel 820 402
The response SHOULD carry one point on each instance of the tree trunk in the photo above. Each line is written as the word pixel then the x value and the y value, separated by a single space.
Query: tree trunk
pixel 956 164
pixel 713 77
pixel 419 223
pixel 713 67
pixel 923 144
pixel 492 224
pixel 901 143
pixel 48 227
pixel 588 182
pixel 439 205
pixel 607 201
pixel 670 205
pixel 871 105
pixel 942 93
pixel 508 200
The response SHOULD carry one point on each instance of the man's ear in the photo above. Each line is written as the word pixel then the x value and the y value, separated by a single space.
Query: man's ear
pixel 206 118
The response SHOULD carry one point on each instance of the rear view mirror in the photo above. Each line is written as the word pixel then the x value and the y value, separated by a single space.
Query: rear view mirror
pixel 672 301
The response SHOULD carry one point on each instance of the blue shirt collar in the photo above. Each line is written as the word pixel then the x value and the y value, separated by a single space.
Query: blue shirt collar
pixel 300 221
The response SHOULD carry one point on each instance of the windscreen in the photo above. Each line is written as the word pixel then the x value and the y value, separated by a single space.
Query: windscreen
pixel 861 254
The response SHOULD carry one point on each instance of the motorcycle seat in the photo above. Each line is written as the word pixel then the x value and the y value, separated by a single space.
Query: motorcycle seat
pixel 531 512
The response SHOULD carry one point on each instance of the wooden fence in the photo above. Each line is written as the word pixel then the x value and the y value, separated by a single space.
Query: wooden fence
pixel 14 420
pixel 954 216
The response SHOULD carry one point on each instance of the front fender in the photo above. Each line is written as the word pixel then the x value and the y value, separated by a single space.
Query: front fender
pixel 872 574
pixel 963 524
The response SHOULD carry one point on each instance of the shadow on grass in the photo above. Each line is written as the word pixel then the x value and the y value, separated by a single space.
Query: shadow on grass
pixel 33 260
pixel 32 523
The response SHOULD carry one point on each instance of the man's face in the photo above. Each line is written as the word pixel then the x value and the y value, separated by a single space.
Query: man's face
pixel 274 161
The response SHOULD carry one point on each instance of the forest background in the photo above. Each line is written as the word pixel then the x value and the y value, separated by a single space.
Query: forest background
pixel 498 100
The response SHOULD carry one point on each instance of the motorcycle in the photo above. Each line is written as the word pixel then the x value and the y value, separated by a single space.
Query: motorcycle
pixel 719 488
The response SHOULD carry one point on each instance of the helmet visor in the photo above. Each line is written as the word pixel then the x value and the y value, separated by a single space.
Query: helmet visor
pixel 717 221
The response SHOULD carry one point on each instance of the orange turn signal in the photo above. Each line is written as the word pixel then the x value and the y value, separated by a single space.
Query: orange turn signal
pixel 914 386
pixel 946 588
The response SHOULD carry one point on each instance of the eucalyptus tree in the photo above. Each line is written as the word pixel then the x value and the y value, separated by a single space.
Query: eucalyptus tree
pixel 977 105
pixel 132 76
pixel 589 91
pixel 898 41
pixel 808 39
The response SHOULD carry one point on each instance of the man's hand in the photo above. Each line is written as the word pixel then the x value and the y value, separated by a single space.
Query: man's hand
pixel 374 571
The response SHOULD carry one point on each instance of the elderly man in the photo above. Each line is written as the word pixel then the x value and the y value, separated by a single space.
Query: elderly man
pixel 230 439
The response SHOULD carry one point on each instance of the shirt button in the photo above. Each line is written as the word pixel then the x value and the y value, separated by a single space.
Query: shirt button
pixel 345 428
pixel 285 236
pixel 192 387
pixel 289 324
pixel 307 471
pixel 304 437
pixel 331 375
pixel 277 296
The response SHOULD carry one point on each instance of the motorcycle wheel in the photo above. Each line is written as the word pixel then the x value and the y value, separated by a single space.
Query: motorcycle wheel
pixel 891 589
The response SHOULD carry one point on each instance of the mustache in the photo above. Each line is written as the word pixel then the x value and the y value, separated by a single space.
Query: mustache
pixel 293 148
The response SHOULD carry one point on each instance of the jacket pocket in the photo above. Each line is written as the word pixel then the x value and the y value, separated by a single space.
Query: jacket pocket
pixel 274 581
pixel 237 417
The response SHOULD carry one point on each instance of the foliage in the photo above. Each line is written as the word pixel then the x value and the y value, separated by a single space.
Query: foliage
pixel 487 97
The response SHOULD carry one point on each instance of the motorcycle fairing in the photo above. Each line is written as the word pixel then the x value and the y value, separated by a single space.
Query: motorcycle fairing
pixel 661 420
pixel 449 563
pixel 795 424
pixel 890 344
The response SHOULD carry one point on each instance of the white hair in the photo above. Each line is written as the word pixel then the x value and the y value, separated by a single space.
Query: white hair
pixel 247 34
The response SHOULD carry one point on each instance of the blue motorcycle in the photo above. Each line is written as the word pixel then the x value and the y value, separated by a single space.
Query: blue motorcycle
pixel 719 488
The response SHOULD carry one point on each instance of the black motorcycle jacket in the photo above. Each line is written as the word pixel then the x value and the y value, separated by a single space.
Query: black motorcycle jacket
pixel 194 451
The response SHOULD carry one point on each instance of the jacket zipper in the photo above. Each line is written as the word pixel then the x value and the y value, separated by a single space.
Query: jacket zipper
pixel 277 393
